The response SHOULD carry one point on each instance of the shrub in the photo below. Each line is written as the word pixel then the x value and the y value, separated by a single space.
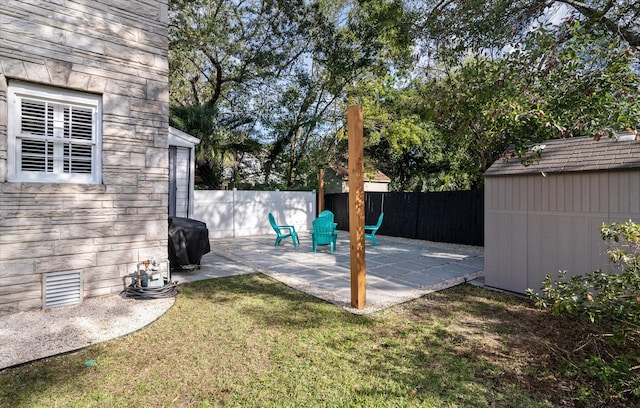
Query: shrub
pixel 610 301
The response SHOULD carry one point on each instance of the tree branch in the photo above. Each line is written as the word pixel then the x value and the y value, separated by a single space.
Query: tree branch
pixel 217 86
pixel 194 89
pixel 598 16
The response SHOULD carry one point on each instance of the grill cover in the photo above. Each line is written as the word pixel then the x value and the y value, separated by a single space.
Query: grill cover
pixel 188 242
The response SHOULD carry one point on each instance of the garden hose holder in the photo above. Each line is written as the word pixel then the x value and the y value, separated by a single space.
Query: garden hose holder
pixel 151 280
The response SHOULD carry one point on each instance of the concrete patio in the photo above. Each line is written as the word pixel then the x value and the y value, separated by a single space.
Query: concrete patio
pixel 397 270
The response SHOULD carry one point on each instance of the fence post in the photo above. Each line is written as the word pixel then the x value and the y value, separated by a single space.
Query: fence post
pixel 320 189
pixel 233 213
pixel 356 206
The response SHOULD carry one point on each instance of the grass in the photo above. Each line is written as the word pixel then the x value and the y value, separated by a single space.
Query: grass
pixel 252 341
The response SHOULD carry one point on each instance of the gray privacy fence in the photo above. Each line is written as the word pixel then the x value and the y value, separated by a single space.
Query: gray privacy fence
pixel 452 216
pixel 237 213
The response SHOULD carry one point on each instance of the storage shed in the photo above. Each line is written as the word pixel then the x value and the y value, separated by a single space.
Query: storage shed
pixel 545 217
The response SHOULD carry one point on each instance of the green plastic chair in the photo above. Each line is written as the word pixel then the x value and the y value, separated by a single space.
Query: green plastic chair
pixel 323 233
pixel 283 231
pixel 370 230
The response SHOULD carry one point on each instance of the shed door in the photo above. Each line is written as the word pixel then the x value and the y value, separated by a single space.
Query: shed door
pixel 179 168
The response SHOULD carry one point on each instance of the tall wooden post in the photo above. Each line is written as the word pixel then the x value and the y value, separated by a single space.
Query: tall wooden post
pixel 320 190
pixel 356 206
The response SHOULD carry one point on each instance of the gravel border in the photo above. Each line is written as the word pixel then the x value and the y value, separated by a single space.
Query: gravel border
pixel 32 335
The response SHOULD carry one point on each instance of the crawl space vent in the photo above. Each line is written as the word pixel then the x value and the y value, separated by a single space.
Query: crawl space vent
pixel 62 288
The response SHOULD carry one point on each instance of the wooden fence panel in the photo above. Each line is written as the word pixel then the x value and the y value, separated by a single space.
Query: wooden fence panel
pixel 400 215
pixel 373 204
pixel 338 203
pixel 453 216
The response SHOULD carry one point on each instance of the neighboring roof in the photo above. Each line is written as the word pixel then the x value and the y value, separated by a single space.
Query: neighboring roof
pixel 573 155
pixel 180 138
pixel 342 171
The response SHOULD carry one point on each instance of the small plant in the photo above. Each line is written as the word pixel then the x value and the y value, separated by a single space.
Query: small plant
pixel 608 300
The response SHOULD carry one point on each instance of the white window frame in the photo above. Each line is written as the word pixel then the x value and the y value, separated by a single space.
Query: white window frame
pixel 57 99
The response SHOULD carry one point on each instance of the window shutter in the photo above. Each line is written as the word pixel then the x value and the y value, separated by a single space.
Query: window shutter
pixel 78 129
pixel 40 136
pixel 56 135
pixel 34 120
pixel 36 127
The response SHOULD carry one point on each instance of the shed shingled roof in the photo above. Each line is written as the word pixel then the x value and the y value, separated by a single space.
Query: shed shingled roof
pixel 574 155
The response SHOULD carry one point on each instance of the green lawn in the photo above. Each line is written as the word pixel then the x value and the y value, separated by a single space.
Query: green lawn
pixel 252 341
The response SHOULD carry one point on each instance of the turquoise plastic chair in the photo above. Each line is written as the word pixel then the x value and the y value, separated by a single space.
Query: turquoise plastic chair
pixel 326 214
pixel 329 215
pixel 283 231
pixel 323 233
pixel 370 230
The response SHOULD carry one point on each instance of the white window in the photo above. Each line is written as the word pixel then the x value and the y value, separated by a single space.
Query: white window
pixel 54 135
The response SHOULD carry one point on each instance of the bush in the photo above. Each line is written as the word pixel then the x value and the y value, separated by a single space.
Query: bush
pixel 610 301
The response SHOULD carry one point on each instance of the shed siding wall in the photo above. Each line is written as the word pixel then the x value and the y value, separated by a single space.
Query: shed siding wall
pixel 116 49
pixel 537 226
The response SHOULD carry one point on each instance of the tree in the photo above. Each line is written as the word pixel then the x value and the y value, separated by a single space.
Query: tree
pixel 273 78
pixel 398 141
pixel 275 70
pixel 490 24
pixel 621 18
pixel 575 79
pixel 349 40
pixel 588 83
pixel 223 54
pixel 222 50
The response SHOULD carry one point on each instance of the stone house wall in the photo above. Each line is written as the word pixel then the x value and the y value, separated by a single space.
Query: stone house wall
pixel 118 50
